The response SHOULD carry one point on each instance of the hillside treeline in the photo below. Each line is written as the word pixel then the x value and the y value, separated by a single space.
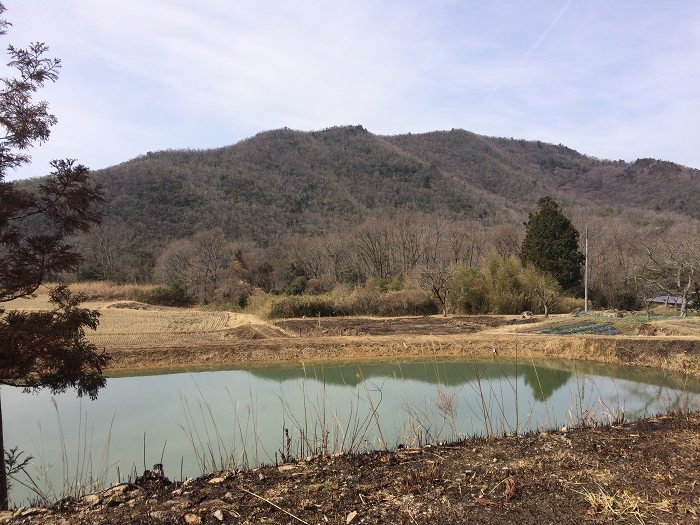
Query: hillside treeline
pixel 411 263
pixel 289 212
pixel 283 183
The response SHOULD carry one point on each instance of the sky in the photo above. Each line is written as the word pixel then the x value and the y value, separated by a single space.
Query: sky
pixel 616 80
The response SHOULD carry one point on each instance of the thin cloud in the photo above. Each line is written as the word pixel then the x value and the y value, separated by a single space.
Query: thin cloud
pixel 613 80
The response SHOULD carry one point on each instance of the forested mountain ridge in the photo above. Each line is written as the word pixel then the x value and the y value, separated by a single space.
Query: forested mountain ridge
pixel 286 182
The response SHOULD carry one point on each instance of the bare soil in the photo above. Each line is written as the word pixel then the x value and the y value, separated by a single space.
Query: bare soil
pixel 642 472
pixel 426 325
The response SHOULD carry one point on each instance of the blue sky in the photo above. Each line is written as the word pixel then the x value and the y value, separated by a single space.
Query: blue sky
pixel 612 79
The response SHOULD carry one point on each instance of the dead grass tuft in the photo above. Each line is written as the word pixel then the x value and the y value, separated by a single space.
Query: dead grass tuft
pixel 620 505
pixel 107 291
pixel 624 504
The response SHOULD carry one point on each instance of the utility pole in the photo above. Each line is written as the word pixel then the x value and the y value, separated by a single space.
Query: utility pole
pixel 585 277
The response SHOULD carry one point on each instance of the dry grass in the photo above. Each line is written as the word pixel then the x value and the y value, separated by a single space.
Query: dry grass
pixel 107 291
pixel 620 505
pixel 165 327
pixel 126 323
pixel 97 295
pixel 624 505
pixel 677 326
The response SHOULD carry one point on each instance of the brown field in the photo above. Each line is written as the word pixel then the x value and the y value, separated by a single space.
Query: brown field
pixel 142 336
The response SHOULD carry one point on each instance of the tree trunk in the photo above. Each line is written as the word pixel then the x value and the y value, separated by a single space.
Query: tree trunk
pixel 684 303
pixel 3 471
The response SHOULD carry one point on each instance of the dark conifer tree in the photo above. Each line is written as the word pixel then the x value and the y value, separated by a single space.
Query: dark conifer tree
pixel 41 349
pixel 551 244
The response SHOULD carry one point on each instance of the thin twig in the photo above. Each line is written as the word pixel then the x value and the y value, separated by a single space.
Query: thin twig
pixel 274 505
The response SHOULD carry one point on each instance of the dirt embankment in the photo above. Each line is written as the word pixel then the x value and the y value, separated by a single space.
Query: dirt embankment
pixel 250 340
pixel 642 472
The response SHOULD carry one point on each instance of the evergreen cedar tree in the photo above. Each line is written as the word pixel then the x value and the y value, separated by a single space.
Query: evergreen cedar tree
pixel 551 244
pixel 41 349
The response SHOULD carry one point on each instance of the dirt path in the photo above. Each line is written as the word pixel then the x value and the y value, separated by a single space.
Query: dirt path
pixel 642 472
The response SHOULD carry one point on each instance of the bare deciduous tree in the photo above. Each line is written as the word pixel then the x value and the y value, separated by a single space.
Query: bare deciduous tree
pixel 672 265
pixel 435 279
pixel 200 263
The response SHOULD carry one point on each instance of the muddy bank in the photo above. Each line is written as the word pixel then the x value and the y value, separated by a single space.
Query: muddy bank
pixel 642 472
pixel 665 353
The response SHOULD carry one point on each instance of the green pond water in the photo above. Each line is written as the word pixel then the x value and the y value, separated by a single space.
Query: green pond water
pixel 205 420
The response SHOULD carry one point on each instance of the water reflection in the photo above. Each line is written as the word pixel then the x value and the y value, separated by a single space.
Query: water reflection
pixel 241 414
pixel 544 382
pixel 543 377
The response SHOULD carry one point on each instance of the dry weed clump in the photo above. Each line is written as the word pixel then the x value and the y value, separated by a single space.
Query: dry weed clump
pixel 108 291
pixel 362 301
pixel 624 504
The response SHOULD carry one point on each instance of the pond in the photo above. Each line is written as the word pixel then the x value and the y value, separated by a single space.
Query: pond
pixel 199 421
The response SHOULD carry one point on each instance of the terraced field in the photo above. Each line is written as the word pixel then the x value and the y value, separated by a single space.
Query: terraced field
pixel 130 324
pixel 130 327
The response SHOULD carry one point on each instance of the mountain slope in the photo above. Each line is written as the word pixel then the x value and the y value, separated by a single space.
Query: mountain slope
pixel 284 181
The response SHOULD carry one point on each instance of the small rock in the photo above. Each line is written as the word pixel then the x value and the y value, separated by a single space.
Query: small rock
pixel 192 519
pixel 352 518
pixel 261 476
pixel 216 481
pixel 564 429
pixel 219 515
pixel 286 468
pixel 116 490
pixel 91 499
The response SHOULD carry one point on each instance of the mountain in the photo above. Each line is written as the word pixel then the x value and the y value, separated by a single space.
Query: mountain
pixel 284 181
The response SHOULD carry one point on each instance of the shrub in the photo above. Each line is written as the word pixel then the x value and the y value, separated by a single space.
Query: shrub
pixel 305 306
pixel 565 304
pixel 384 284
pixel 317 286
pixel 468 291
pixel 296 286
pixel 172 295
pixel 626 300
pixel 235 294
pixel 363 301
pixel 407 302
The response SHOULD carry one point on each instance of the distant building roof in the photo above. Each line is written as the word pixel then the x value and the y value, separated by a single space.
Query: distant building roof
pixel 675 300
